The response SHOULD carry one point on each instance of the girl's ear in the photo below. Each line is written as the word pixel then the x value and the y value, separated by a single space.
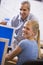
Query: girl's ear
pixel 33 33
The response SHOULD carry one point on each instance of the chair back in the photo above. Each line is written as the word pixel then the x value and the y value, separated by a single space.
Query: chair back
pixel 3 49
pixel 38 40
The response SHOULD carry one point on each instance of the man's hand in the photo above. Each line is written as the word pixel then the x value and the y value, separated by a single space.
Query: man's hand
pixel 3 23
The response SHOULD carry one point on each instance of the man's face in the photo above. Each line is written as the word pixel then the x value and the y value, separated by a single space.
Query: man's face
pixel 24 11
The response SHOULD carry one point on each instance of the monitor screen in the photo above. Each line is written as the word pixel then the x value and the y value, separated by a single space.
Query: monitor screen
pixel 7 32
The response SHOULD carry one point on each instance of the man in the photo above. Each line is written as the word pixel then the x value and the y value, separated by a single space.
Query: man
pixel 19 21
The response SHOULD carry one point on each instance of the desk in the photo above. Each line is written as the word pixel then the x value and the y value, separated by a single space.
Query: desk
pixel 10 63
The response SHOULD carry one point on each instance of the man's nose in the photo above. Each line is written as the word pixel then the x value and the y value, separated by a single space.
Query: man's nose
pixel 22 12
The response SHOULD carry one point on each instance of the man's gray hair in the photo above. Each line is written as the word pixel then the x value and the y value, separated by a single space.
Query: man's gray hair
pixel 26 2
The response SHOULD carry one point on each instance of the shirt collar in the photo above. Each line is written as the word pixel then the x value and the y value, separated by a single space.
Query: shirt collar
pixel 25 19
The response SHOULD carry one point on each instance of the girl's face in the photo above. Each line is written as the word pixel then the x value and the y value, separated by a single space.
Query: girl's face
pixel 27 31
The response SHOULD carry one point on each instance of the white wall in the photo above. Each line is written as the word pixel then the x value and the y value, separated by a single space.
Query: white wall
pixel 9 8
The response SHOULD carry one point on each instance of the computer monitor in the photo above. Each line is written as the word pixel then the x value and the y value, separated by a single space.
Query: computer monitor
pixel 7 32
pixel 3 49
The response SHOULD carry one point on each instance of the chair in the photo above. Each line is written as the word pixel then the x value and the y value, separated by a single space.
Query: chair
pixel 3 49
pixel 40 45
pixel 38 41
pixel 41 49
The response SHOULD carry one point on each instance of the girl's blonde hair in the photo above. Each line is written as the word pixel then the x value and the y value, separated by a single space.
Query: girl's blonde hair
pixel 35 25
